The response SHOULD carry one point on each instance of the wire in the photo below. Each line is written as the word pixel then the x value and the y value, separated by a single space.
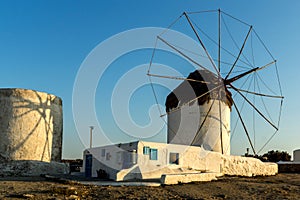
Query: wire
pixel 263 102
pixel 266 85
pixel 168 28
pixel 263 44
pixel 152 56
pixel 216 43
pixel 204 56
pixel 235 43
pixel 252 52
pixel 236 19
pixel 199 12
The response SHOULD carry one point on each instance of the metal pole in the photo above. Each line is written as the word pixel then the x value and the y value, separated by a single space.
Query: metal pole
pixel 219 44
pixel 91 136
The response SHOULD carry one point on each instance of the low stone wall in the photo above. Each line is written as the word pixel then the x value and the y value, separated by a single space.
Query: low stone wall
pixel 32 168
pixel 247 166
pixel 289 167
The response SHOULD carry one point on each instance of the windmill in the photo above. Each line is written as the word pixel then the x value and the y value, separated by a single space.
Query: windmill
pixel 228 77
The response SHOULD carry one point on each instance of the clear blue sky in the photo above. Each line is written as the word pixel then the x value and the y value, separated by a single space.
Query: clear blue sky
pixel 43 43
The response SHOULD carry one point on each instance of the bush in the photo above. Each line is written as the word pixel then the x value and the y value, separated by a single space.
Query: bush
pixel 276 156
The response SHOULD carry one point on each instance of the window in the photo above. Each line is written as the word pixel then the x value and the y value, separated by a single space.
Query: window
pixel 174 158
pixel 133 157
pixel 146 150
pixel 153 154
pixel 108 156
pixel 102 152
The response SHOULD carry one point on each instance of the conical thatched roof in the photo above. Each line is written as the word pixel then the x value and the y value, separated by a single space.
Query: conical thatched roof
pixel 189 90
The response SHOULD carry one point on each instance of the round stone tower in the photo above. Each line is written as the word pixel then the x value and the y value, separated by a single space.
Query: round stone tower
pixel 30 126
pixel 199 113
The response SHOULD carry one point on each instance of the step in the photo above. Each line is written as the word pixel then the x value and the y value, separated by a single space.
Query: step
pixel 171 179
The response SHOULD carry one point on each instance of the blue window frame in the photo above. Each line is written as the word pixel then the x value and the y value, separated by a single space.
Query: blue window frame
pixel 146 150
pixel 153 154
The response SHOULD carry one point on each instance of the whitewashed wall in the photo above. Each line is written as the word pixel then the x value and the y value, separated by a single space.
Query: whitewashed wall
pixel 192 159
pixel 183 126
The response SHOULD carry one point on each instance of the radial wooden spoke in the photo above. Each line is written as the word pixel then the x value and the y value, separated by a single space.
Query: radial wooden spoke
pixel 260 94
pixel 228 81
pixel 244 126
pixel 220 115
pixel 177 78
pixel 181 53
pixel 201 43
pixel 241 50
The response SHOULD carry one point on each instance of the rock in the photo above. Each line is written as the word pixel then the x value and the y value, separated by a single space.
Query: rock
pixel 21 196
pixel 73 197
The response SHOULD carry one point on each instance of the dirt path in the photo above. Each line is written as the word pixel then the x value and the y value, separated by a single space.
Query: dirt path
pixel 282 186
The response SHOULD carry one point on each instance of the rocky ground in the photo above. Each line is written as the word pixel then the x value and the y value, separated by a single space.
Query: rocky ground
pixel 282 186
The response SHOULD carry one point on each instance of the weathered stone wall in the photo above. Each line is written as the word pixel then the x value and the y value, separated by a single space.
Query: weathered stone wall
pixel 32 168
pixel 30 126
pixel 247 166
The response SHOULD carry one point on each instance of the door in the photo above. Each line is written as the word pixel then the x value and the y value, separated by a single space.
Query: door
pixel 88 165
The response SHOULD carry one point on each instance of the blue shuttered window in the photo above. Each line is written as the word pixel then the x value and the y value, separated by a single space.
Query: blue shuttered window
pixel 153 154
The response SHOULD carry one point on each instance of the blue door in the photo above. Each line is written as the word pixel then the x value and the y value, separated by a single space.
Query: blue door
pixel 88 165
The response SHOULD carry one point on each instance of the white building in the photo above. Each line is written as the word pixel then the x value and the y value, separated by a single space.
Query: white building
pixel 296 155
pixel 149 160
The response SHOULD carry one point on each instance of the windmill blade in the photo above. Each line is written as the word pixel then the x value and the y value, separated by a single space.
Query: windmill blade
pixel 241 50
pixel 244 126
pixel 176 78
pixel 181 53
pixel 260 94
pixel 228 81
pixel 253 106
